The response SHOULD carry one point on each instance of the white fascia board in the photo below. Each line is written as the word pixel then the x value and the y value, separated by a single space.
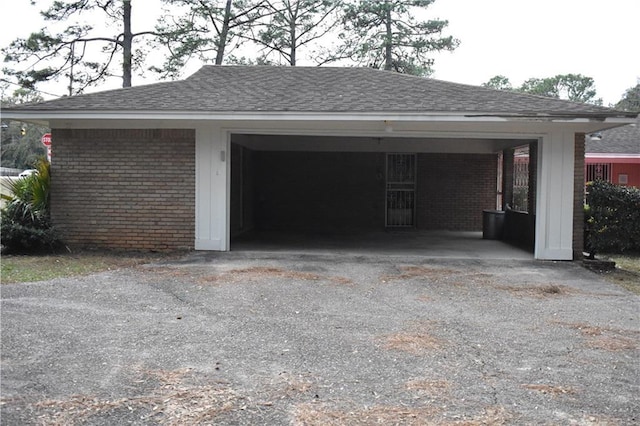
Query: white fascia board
pixel 610 155
pixel 244 116
pixel 47 115
pixel 457 134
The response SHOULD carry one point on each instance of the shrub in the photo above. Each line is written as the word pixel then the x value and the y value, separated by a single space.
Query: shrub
pixel 25 221
pixel 612 217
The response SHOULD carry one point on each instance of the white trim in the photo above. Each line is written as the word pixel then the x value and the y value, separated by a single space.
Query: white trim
pixel 227 164
pixel 450 134
pixel 611 155
pixel 212 175
pixel 210 245
pixel 310 116
pixel 555 191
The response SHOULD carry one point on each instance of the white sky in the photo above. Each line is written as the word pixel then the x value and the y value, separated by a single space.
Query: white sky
pixel 516 38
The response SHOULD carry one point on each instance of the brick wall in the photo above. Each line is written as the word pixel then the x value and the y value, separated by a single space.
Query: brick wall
pixel 341 191
pixel 319 190
pixel 124 189
pixel 578 197
pixel 453 189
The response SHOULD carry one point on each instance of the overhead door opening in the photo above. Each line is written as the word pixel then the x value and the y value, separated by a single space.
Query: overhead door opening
pixel 312 189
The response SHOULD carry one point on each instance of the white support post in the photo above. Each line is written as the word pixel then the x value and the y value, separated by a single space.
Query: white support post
pixel 212 189
pixel 554 206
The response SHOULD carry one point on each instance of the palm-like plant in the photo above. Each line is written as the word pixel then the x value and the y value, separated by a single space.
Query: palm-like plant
pixel 30 194
pixel 26 224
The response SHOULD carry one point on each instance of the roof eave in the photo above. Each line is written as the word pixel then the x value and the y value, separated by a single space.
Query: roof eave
pixel 44 116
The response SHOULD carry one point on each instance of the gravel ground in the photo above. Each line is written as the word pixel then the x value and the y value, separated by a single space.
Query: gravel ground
pixel 278 339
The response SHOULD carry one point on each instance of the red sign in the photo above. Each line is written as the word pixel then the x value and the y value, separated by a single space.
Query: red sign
pixel 46 139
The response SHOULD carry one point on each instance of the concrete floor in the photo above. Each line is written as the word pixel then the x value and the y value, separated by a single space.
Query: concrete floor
pixel 435 244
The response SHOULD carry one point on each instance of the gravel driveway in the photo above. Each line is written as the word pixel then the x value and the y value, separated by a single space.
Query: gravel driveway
pixel 282 339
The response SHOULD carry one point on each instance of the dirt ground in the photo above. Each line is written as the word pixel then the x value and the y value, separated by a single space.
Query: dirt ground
pixel 283 339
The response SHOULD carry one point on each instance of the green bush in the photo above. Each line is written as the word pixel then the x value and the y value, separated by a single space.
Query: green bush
pixel 25 221
pixel 612 218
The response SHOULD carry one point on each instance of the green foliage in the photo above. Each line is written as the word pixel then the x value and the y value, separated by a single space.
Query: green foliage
pixel 498 82
pixel 77 53
pixel 25 221
pixel 293 24
pixel 21 151
pixel 387 35
pixel 612 217
pixel 541 86
pixel 21 144
pixel 631 100
pixel 208 31
pixel 574 87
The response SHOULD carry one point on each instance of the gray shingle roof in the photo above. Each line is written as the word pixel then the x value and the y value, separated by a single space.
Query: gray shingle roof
pixel 621 140
pixel 316 89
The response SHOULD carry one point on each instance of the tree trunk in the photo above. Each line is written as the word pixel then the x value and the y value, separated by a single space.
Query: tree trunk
pixel 127 42
pixel 292 55
pixel 388 62
pixel 293 41
pixel 73 62
pixel 222 42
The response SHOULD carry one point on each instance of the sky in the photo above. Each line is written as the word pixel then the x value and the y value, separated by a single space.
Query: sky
pixel 519 39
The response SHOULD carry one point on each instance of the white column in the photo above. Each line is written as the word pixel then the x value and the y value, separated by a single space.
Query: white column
pixel 212 184
pixel 554 218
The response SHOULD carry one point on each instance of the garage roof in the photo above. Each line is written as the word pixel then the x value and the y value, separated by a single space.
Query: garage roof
pixel 319 89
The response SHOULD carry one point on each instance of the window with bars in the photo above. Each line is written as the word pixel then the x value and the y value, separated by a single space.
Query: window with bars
pixel 598 171
pixel 401 186
pixel 521 179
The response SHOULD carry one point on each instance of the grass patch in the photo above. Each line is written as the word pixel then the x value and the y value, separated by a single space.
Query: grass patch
pixel 19 269
pixel 626 273
pixel 629 262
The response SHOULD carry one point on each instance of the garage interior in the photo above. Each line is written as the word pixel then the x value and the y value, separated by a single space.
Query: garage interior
pixel 326 188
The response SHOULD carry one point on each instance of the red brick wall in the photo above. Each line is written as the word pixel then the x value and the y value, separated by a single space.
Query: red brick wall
pixel 578 197
pixel 453 189
pixel 124 189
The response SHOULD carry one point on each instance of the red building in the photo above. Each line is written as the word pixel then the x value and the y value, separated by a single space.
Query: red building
pixel 614 155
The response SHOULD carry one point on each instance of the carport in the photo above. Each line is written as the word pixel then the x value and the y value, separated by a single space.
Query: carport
pixel 333 185
pixel 230 149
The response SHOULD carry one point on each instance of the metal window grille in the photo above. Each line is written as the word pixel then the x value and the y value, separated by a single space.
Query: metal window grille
pixel 598 171
pixel 401 185
pixel 521 179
